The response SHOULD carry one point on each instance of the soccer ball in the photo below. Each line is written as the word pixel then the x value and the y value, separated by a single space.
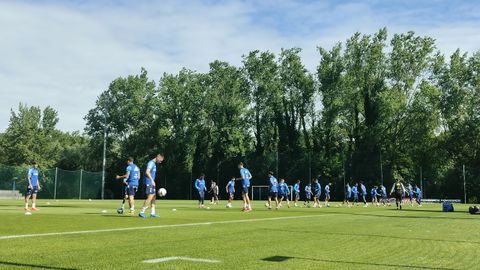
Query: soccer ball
pixel 120 211
pixel 229 206
pixel 162 192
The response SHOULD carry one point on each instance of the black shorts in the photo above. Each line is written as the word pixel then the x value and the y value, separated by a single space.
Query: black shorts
pixel 398 196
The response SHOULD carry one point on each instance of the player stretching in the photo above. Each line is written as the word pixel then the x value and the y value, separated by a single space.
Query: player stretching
pixel 348 194
pixel 273 191
pixel 230 189
pixel 399 190
pixel 418 191
pixel 364 194
pixel 201 188
pixel 283 193
pixel 245 177
pixel 131 175
pixel 317 191
pixel 327 194
pixel 33 186
pixel 296 192
pixel 355 194
pixel 374 194
pixel 308 195
pixel 151 190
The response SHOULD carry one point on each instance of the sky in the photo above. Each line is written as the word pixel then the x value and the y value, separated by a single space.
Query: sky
pixel 63 54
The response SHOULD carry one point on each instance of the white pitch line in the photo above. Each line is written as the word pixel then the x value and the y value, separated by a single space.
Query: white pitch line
pixel 156 227
pixel 167 259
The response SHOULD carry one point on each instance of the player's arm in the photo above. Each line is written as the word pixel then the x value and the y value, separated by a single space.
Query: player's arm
pixel 149 175
pixel 29 178
pixel 126 175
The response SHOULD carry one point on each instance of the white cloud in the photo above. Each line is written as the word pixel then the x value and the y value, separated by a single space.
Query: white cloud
pixel 64 54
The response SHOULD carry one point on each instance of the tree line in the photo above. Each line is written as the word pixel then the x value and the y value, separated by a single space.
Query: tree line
pixel 374 110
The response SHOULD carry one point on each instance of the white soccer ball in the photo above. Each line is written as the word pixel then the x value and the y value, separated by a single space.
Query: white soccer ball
pixel 229 206
pixel 28 214
pixel 162 192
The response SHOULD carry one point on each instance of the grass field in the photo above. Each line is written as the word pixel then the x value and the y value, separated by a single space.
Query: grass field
pixel 77 235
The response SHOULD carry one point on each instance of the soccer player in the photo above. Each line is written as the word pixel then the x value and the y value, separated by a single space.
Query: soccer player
pixel 283 193
pixel 273 191
pixel 230 189
pixel 317 192
pixel 374 194
pixel 131 177
pixel 33 186
pixel 383 193
pixel 327 194
pixel 296 192
pixel 355 194
pixel 348 194
pixel 246 176
pixel 363 189
pixel 308 195
pixel 151 190
pixel 214 190
pixel 399 190
pixel 410 194
pixel 201 188
pixel 418 191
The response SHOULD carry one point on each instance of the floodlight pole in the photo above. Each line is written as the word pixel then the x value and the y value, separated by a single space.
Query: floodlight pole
pixel 104 154
pixel 381 166
pixel 421 181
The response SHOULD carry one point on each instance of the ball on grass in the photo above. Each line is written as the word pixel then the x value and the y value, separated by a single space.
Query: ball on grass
pixel 28 214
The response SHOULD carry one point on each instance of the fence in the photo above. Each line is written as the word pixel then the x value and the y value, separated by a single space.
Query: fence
pixel 55 183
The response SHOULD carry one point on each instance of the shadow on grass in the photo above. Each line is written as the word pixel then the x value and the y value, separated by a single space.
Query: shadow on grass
pixel 285 258
pixel 34 266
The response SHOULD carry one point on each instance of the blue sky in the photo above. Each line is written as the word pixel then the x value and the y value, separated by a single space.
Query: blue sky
pixel 65 53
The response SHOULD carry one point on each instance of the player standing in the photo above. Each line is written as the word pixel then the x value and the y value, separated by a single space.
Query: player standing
pixel 230 189
pixel 355 194
pixel 374 194
pixel 327 194
pixel 296 192
pixel 348 194
pixel 151 190
pixel 410 194
pixel 399 190
pixel 201 188
pixel 364 194
pixel 214 190
pixel 273 191
pixel 283 193
pixel 317 192
pixel 33 186
pixel 308 195
pixel 383 193
pixel 246 176
pixel 132 175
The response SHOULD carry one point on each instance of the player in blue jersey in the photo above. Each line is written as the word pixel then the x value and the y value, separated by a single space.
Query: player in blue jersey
pixel 410 194
pixel 150 186
pixel 317 192
pixel 230 189
pixel 33 186
pixel 355 194
pixel 383 194
pixel 272 190
pixel 363 192
pixel 131 177
pixel 374 194
pixel 296 192
pixel 348 194
pixel 418 193
pixel 245 176
pixel 327 194
pixel 201 188
pixel 283 192
pixel 308 195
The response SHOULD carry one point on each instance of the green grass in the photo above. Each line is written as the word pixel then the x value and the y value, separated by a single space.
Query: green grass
pixel 326 238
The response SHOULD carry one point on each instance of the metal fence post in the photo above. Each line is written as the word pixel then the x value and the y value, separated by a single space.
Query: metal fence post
pixel 80 189
pixel 55 184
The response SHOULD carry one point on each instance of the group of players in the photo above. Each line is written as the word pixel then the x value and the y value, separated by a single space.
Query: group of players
pixel 278 190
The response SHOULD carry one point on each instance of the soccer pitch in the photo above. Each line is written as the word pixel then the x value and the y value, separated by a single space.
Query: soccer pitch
pixel 80 235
